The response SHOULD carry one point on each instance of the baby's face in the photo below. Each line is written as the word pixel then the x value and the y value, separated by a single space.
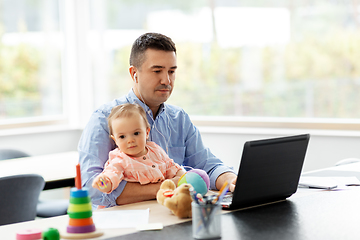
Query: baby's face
pixel 130 134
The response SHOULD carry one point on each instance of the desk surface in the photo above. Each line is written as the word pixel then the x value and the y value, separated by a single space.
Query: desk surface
pixel 308 214
pixel 158 213
pixel 326 215
pixel 58 169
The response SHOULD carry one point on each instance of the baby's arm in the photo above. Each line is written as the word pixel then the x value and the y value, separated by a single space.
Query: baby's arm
pixel 180 172
pixel 177 176
pixel 102 183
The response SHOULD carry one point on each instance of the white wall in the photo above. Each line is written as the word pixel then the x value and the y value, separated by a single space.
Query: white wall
pixel 325 148
pixel 41 141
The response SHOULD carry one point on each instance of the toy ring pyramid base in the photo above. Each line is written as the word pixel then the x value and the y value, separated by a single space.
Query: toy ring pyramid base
pixel 81 225
pixel 81 235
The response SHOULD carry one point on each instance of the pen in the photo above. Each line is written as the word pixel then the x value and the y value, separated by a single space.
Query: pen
pixel 224 186
pixel 193 195
pixel 200 198
pixel 222 195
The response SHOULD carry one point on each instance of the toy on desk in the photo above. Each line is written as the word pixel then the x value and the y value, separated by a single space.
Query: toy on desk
pixel 51 234
pixel 37 234
pixel 81 225
pixel 28 234
pixel 178 200
pixel 198 178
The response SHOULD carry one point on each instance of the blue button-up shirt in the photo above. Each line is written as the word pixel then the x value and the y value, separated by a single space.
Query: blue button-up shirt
pixel 171 129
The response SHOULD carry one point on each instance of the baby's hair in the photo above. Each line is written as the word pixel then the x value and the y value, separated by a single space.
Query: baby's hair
pixel 126 110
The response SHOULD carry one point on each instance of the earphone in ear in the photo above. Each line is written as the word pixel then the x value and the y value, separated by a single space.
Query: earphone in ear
pixel 135 77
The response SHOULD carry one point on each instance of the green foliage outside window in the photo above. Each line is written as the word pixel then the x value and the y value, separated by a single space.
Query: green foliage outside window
pixel 314 77
pixel 19 81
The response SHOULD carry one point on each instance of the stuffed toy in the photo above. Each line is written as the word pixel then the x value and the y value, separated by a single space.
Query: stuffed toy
pixel 178 200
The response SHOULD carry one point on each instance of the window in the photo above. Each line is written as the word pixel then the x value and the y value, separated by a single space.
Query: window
pixel 30 60
pixel 285 62
pixel 274 59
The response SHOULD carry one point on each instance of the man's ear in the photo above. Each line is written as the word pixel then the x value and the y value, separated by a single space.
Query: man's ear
pixel 132 71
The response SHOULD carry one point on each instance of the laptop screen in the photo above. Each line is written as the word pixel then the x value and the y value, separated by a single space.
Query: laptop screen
pixel 269 170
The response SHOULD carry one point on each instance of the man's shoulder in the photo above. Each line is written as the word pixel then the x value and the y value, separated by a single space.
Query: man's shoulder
pixel 105 109
pixel 179 114
pixel 174 110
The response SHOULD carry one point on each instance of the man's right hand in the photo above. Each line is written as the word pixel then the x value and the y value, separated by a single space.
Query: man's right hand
pixel 135 192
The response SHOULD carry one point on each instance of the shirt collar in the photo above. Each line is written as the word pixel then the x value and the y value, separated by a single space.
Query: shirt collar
pixel 132 98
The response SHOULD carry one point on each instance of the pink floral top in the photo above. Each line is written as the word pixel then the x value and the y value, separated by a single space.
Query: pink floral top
pixel 153 167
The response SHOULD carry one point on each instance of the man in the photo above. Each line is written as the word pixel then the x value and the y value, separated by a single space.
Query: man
pixel 153 66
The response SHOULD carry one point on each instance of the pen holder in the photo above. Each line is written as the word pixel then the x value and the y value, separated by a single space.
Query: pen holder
pixel 206 220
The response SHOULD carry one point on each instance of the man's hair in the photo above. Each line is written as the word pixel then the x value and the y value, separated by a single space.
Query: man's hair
pixel 126 110
pixel 146 41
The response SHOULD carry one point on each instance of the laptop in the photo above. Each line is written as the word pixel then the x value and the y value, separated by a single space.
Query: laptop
pixel 269 171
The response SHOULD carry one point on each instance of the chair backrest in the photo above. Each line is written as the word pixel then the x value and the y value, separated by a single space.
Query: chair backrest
pixel 19 197
pixel 12 153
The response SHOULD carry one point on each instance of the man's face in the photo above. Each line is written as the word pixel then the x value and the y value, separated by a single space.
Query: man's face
pixel 156 77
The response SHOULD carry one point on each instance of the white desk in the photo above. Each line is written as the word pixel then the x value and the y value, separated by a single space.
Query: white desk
pixel 58 169
pixel 158 214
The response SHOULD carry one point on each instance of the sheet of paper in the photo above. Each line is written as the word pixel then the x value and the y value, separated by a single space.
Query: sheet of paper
pixel 120 218
pixel 347 181
pixel 328 182
pixel 150 227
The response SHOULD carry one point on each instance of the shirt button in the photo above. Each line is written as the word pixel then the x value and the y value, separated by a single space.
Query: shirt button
pixel 144 158
pixel 153 166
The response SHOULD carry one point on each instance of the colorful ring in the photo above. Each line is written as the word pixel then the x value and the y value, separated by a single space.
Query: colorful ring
pixel 79 215
pixel 78 193
pixel 83 229
pixel 79 222
pixel 80 200
pixel 79 207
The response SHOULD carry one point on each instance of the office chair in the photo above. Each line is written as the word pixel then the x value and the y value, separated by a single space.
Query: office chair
pixel 45 208
pixel 19 197
pixel 12 153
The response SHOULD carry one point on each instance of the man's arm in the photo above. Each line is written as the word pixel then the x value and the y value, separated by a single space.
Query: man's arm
pixel 199 156
pixel 135 192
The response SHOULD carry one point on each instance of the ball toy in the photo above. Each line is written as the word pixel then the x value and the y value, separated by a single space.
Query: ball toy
pixel 198 179
pixel 51 234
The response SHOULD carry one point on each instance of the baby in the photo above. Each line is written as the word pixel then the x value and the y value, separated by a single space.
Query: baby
pixel 135 159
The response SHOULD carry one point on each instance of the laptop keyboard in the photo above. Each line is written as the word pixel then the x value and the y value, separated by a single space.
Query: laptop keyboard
pixel 227 198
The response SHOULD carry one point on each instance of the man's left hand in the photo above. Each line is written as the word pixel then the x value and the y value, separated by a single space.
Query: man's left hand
pixel 229 177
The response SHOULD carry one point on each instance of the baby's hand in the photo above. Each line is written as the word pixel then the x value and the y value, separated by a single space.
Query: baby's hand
pixel 102 183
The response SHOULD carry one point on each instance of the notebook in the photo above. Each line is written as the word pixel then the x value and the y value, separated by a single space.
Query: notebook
pixel 269 171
